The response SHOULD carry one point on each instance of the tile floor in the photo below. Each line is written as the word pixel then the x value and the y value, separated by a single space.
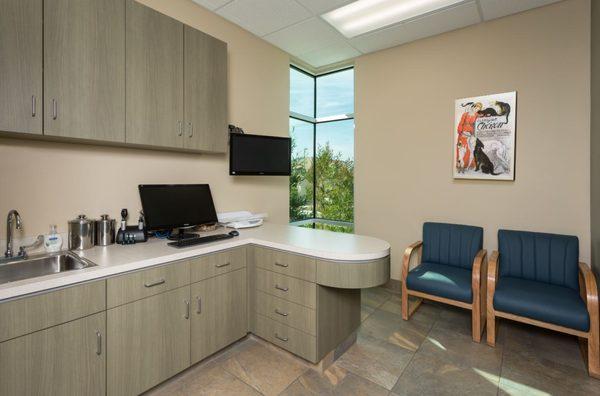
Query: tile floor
pixel 432 354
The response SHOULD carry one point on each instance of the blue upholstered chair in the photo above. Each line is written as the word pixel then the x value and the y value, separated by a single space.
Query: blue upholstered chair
pixel 536 278
pixel 450 268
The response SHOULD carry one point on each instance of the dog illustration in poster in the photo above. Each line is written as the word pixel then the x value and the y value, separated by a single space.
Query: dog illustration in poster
pixel 484 137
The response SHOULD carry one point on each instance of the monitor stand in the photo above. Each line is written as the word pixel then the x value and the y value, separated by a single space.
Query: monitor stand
pixel 181 234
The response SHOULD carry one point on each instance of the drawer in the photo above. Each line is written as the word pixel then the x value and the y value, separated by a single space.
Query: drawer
pixel 286 312
pixel 287 288
pixel 205 267
pixel 136 285
pixel 286 263
pixel 29 314
pixel 292 340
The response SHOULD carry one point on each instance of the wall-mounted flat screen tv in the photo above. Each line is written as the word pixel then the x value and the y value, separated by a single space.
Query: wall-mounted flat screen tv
pixel 259 155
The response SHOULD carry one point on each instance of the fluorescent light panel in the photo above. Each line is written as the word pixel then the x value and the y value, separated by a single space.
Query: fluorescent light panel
pixel 364 16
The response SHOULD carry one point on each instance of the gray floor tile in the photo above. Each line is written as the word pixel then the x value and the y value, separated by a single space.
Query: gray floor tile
pixel 374 297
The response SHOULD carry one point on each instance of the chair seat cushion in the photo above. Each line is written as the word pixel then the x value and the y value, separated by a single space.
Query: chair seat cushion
pixel 441 280
pixel 548 303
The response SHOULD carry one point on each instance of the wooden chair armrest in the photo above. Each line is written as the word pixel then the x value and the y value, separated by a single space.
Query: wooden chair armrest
pixel 590 289
pixel 415 247
pixel 492 276
pixel 479 270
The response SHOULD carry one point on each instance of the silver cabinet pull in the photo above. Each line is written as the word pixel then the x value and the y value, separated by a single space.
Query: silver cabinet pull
pixel 179 128
pixel 278 312
pixel 187 309
pixel 284 339
pixel 281 288
pixel 98 343
pixel 33 103
pixel 156 283
pixel 199 307
pixel 223 265
pixel 191 129
pixel 54 109
pixel 281 265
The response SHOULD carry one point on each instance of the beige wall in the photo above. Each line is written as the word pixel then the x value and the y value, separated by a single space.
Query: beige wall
pixel 404 129
pixel 595 138
pixel 51 183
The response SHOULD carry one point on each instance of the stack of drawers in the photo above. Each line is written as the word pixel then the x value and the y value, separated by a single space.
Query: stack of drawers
pixel 286 301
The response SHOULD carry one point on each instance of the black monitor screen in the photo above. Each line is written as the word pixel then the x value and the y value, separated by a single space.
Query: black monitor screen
pixel 177 205
pixel 259 155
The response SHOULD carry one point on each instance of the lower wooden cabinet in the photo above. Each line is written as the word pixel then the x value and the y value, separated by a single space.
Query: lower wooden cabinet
pixel 68 359
pixel 219 315
pixel 148 341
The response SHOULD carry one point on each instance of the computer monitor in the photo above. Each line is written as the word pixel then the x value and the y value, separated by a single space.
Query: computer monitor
pixel 170 206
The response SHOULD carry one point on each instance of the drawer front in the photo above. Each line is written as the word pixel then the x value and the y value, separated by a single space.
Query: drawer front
pixel 29 314
pixel 292 340
pixel 287 288
pixel 286 263
pixel 136 285
pixel 205 267
pixel 286 312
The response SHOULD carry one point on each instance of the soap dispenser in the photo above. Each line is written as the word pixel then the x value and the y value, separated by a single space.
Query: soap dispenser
pixel 53 241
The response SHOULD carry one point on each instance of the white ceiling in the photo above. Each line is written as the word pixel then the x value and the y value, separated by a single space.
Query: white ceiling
pixel 296 26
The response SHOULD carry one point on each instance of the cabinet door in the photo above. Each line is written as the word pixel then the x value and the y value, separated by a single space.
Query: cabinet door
pixel 148 342
pixel 63 360
pixel 219 315
pixel 205 92
pixel 21 66
pixel 154 70
pixel 84 69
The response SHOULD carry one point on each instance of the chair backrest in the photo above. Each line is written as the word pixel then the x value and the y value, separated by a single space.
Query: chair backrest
pixel 548 258
pixel 451 244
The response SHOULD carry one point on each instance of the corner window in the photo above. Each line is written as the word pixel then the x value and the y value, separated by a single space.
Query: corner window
pixel 322 132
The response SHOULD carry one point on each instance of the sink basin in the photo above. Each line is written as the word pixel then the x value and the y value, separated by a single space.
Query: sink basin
pixel 41 265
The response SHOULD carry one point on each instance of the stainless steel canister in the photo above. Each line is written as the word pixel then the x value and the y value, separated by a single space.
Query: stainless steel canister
pixel 81 233
pixel 105 231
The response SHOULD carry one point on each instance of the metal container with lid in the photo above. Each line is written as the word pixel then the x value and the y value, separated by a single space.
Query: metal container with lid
pixel 81 233
pixel 105 231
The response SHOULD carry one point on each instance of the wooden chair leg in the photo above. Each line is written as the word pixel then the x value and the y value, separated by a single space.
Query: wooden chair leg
pixel 404 302
pixel 491 329
pixel 593 353
pixel 476 324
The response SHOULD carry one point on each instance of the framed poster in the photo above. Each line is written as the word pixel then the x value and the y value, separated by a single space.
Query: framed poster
pixel 484 137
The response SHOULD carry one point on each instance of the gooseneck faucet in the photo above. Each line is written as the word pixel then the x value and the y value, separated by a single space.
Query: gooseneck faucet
pixel 9 231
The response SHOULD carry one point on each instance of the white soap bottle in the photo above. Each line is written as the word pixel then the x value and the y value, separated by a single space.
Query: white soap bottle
pixel 53 241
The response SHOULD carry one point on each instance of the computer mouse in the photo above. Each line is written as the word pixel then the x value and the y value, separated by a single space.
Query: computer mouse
pixel 234 233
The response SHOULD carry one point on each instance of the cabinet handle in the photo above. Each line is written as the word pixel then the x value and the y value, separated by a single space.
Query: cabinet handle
pixel 187 309
pixel 158 282
pixel 199 308
pixel 278 312
pixel 180 128
pixel 33 103
pixel 281 265
pixel 54 109
pixel 284 339
pixel 281 288
pixel 191 126
pixel 98 343
pixel 223 265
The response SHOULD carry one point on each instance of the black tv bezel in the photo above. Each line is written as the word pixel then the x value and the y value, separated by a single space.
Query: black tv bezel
pixel 246 135
pixel 173 226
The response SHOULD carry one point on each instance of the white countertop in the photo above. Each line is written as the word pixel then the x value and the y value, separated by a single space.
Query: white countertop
pixel 116 259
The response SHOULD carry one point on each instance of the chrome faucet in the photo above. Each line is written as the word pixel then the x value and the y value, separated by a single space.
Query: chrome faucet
pixel 9 231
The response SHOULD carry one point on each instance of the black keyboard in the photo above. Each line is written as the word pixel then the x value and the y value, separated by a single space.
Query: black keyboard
pixel 197 241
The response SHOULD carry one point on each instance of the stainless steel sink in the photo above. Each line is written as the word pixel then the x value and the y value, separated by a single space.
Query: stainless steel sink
pixel 40 265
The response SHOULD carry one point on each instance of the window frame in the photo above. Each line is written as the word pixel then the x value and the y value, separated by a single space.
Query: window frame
pixel 314 121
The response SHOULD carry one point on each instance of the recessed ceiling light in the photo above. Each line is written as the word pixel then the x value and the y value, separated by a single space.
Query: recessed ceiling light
pixel 363 16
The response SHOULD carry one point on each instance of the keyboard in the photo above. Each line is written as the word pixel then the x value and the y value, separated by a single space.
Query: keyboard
pixel 199 240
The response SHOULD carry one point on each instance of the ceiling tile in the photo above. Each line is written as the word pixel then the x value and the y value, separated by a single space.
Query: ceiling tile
pixel 305 36
pixel 262 17
pixel 211 4
pixel 496 9
pixel 439 22
pixel 323 6
pixel 332 53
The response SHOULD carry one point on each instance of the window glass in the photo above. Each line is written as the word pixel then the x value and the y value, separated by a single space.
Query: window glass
pixel 335 94
pixel 301 179
pixel 335 170
pixel 302 93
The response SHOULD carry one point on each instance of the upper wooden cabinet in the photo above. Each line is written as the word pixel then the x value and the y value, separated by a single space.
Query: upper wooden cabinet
pixel 205 91
pixel 154 78
pixel 21 66
pixel 84 69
